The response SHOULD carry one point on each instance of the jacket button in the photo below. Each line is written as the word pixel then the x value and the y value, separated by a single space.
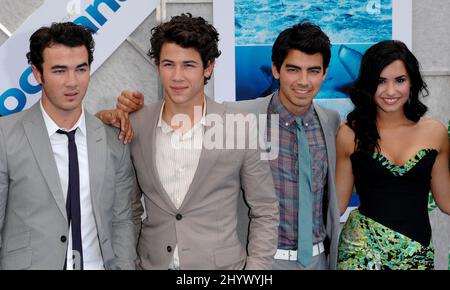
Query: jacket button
pixel 169 249
pixel 178 217
pixel 63 239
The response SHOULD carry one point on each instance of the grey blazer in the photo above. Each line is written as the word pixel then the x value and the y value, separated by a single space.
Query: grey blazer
pixel 329 120
pixel 205 225
pixel 33 220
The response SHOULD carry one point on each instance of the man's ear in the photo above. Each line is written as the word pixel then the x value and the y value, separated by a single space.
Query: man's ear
pixel 209 69
pixel 325 73
pixel 275 72
pixel 157 66
pixel 37 74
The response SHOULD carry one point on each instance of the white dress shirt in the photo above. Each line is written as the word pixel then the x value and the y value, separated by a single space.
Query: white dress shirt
pixel 92 258
pixel 177 157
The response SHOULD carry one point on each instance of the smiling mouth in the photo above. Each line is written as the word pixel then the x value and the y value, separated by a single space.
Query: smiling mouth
pixel 390 101
pixel 178 89
pixel 302 91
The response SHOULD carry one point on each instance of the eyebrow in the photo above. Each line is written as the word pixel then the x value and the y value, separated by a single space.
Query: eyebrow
pixel 184 62
pixel 399 77
pixel 65 66
pixel 299 68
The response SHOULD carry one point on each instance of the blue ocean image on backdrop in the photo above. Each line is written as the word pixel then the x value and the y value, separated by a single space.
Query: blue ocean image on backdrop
pixel 345 21
pixel 352 25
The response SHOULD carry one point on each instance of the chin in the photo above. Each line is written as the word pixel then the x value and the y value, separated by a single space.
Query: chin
pixel 72 107
pixel 303 102
pixel 391 109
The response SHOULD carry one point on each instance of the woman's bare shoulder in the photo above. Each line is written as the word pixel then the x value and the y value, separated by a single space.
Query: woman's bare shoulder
pixel 433 130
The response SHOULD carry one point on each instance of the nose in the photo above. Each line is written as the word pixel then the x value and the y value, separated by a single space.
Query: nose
pixel 303 78
pixel 71 79
pixel 390 89
pixel 177 74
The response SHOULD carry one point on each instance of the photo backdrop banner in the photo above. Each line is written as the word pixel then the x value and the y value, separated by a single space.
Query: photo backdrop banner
pixel 248 29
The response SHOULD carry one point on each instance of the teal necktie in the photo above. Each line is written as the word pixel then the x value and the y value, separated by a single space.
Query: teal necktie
pixel 304 247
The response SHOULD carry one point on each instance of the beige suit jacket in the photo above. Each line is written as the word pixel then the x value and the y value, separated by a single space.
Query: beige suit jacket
pixel 205 226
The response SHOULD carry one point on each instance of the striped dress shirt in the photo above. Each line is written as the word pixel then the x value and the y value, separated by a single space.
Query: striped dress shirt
pixel 177 157
pixel 285 173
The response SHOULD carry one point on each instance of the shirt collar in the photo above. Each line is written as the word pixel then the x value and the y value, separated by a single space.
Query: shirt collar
pixel 308 116
pixel 288 119
pixel 166 128
pixel 52 127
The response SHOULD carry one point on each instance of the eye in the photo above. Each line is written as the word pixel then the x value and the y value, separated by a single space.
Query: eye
pixel 58 71
pixel 291 69
pixel 381 81
pixel 315 71
pixel 400 81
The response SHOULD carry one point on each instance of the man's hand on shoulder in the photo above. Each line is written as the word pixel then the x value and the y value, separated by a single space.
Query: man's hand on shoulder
pixel 118 119
pixel 130 101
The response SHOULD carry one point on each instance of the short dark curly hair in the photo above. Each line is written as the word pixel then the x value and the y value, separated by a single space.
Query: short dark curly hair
pixel 187 32
pixel 304 36
pixel 65 33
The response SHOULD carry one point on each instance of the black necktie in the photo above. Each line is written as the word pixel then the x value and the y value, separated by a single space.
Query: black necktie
pixel 73 201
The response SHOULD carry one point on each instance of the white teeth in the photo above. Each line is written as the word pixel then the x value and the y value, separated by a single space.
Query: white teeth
pixel 390 101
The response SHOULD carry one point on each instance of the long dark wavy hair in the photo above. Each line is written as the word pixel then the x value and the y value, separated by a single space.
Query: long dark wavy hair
pixel 363 117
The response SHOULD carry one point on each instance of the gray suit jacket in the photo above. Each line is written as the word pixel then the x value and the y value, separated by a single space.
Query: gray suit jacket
pixel 329 120
pixel 205 225
pixel 33 216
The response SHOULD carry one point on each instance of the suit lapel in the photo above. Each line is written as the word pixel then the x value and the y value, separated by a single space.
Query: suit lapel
pixel 331 149
pixel 327 130
pixel 97 150
pixel 208 158
pixel 150 159
pixel 37 136
pixel 263 104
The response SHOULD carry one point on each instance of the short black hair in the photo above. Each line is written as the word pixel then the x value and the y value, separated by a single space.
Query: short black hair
pixel 187 32
pixel 65 33
pixel 306 37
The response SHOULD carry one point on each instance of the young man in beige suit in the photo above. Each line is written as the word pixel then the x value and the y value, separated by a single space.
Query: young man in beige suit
pixel 300 58
pixel 191 192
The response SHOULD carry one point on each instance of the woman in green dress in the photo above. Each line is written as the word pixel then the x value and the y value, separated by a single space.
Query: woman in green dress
pixel 393 156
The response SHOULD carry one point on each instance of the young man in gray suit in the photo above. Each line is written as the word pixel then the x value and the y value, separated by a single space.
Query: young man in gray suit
pixel 191 192
pixel 65 180
pixel 300 58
